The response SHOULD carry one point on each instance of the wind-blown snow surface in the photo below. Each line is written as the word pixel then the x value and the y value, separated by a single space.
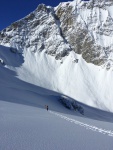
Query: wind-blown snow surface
pixel 25 123
pixel 27 127
pixel 84 82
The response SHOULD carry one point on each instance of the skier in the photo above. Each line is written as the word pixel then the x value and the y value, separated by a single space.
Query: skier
pixel 47 107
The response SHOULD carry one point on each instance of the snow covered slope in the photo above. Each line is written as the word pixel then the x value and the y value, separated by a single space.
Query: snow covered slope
pixel 84 82
pixel 25 123
pixel 27 127
pixel 67 49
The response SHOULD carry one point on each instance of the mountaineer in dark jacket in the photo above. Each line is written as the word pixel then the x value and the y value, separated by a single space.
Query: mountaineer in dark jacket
pixel 46 106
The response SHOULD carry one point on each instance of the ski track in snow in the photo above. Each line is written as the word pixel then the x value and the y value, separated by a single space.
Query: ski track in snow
pixel 87 126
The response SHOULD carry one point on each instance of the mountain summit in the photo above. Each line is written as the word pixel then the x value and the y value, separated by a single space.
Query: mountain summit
pixel 68 49
pixel 85 27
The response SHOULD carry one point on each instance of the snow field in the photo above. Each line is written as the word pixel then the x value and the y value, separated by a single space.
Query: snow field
pixel 28 127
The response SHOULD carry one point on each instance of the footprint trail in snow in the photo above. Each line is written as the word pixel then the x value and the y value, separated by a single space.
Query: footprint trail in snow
pixel 87 126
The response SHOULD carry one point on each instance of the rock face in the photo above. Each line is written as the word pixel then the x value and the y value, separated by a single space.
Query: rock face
pixel 39 31
pixel 85 27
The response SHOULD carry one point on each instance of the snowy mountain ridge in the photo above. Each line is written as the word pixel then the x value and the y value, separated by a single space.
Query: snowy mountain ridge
pixel 66 49
pixel 85 27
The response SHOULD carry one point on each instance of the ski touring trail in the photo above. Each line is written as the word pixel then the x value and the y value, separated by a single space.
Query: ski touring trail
pixel 87 126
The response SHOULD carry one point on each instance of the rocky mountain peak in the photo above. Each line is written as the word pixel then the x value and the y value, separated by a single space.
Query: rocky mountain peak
pixel 85 27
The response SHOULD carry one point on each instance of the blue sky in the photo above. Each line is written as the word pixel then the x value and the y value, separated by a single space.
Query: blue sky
pixel 13 10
